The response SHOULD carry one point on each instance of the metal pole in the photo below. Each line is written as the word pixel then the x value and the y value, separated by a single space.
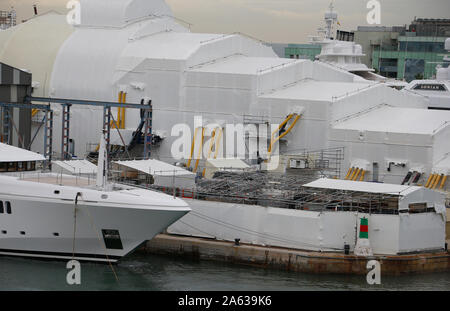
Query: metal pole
pixel 148 115
pixel 173 184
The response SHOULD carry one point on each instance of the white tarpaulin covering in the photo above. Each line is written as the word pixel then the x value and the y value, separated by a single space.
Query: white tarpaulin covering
pixel 75 167
pixel 407 194
pixel 138 47
pixel 224 164
pixel 13 154
pixel 164 174
pixel 349 185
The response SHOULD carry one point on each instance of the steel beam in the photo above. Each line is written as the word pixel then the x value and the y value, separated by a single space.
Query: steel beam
pixel 83 102
pixel 148 114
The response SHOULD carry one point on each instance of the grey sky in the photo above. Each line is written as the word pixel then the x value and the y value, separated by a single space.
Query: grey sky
pixel 287 21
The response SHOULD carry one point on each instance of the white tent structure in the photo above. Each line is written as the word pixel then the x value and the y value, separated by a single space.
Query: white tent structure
pixel 138 47
pixel 394 141
pixel 13 154
pixel 164 175
pixel 224 164
pixel 74 167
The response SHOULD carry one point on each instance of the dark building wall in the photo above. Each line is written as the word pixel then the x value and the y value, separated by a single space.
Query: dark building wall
pixel 15 85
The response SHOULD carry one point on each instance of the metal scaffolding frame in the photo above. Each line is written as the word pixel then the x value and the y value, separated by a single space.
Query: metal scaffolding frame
pixel 107 116
pixel 287 191
pixel 48 121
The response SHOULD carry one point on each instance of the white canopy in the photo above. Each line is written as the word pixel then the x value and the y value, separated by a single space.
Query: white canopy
pixel 407 194
pixel 359 186
pixel 13 154
pixel 76 166
pixel 165 175
pixel 155 167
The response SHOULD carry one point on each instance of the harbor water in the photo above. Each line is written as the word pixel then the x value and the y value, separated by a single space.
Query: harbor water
pixel 142 272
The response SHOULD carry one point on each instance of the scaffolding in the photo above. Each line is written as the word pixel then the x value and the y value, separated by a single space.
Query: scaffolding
pixel 107 117
pixel 325 162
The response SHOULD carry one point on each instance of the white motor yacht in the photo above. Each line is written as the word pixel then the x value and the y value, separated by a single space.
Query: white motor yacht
pixel 56 216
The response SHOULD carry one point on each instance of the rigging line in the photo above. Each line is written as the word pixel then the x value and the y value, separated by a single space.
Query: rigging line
pixel 247 231
pixel 270 238
pixel 75 224
pixel 101 244
pixel 195 228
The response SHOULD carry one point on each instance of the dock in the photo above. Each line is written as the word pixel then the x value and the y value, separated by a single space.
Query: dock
pixel 292 259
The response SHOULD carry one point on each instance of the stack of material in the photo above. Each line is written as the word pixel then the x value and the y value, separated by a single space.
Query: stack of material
pixel 256 187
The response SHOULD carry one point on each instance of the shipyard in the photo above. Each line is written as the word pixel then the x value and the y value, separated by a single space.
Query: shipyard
pixel 131 143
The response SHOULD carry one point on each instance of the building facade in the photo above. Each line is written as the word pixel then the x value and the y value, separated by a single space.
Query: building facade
pixel 302 51
pixel 400 52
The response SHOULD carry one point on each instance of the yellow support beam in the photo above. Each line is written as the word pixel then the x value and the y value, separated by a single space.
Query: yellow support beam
pixel 278 129
pixel 211 145
pixel 218 141
pixel 353 174
pixel 433 180
pixel 443 182
pixel 199 151
pixel 429 180
pixel 350 170
pixel 285 133
pixel 437 181
pixel 363 174
pixel 122 115
pixel 192 147
pixel 357 174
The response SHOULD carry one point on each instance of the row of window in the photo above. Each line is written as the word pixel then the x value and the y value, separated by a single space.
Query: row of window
pixel 5 207
pixel 6 232
pixel 17 166
pixel 24 233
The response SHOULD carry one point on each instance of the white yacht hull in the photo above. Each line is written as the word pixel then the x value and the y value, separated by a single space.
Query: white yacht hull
pixel 67 226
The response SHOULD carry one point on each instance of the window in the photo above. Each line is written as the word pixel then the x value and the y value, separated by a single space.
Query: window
pixel 430 87
pixel 20 166
pixel 418 208
pixel 3 167
pixel 12 167
pixel 8 207
pixel 112 239
pixel 1 207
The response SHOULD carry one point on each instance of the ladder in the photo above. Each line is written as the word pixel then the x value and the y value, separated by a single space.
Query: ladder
pixel 48 137
pixel 148 115
pixel 65 132
pixel 6 120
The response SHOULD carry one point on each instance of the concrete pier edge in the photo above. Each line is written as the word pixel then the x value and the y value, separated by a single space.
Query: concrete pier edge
pixel 294 260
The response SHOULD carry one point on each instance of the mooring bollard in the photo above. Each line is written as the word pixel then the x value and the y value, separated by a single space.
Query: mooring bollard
pixel 347 249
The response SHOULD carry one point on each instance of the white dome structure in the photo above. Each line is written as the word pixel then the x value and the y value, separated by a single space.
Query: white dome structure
pixel 34 45
pixel 138 47
pixel 120 13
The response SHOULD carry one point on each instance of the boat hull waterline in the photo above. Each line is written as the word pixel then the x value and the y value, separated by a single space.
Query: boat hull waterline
pixel 64 223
